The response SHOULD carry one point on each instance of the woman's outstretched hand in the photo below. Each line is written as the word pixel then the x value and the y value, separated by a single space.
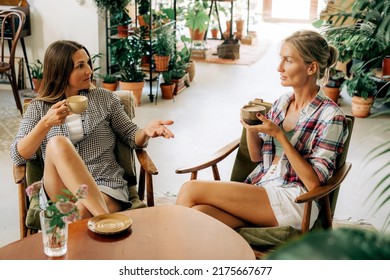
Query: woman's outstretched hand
pixel 158 128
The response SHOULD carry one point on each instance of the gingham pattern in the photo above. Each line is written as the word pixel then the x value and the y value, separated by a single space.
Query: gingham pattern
pixel 103 121
pixel 319 137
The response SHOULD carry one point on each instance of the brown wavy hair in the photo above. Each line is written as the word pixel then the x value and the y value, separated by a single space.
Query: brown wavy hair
pixel 57 67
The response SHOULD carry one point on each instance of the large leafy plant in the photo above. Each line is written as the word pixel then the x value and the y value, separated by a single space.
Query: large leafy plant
pixel 127 53
pixel 361 84
pixel 363 33
pixel 196 16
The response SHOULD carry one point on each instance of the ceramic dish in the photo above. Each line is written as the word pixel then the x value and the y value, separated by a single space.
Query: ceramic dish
pixel 109 223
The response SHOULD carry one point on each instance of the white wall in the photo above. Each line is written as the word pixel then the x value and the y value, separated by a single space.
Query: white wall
pixel 53 20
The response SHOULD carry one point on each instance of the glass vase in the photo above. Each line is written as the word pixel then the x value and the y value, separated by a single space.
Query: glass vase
pixel 55 239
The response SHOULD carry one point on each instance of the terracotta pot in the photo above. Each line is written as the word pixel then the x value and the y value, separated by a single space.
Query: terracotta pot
pixel 123 31
pixel 228 25
pixel 196 35
pixel 240 25
pixel 332 93
pixel 191 70
pixel 110 86
pixel 161 62
pixel 214 33
pixel 167 90
pixel 386 66
pixel 361 107
pixel 135 87
pixel 37 84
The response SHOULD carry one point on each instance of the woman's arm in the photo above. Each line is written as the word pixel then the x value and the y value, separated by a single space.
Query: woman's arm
pixel 153 129
pixel 29 144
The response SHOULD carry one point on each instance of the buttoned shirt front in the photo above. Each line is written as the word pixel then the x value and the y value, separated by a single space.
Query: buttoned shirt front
pixel 103 121
pixel 319 137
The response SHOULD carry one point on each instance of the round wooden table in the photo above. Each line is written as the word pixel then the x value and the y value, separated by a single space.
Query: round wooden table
pixel 168 232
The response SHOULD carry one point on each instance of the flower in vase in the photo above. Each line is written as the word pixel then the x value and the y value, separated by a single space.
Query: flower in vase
pixel 64 209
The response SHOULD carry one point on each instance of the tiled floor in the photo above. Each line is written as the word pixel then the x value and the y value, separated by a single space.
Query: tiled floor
pixel 206 117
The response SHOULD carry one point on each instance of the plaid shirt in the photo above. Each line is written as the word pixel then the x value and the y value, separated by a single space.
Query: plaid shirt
pixel 103 121
pixel 319 137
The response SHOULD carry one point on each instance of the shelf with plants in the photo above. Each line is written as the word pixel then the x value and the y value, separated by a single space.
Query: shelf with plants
pixel 142 36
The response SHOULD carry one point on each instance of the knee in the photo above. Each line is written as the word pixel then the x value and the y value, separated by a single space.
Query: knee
pixel 58 145
pixel 185 194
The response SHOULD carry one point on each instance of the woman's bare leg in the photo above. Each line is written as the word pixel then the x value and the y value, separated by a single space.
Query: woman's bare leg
pixel 235 204
pixel 64 168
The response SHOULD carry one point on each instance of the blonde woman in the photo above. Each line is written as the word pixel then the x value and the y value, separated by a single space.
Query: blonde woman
pixel 296 146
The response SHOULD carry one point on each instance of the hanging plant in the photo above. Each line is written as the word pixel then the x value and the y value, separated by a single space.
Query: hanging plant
pixel 111 6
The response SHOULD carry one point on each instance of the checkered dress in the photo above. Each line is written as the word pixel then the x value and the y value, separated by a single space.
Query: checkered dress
pixel 103 121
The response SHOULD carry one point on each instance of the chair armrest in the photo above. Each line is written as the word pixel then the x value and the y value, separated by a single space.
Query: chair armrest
pixel 333 183
pixel 146 162
pixel 19 173
pixel 211 160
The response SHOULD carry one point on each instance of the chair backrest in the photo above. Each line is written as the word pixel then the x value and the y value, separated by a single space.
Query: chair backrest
pixel 12 23
pixel 243 165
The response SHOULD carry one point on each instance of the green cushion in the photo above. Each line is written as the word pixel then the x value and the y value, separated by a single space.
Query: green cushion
pixel 267 236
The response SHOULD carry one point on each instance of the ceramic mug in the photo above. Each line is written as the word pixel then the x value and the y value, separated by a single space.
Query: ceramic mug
pixel 249 112
pixel 77 103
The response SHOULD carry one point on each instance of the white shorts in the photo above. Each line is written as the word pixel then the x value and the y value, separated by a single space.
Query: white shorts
pixel 282 199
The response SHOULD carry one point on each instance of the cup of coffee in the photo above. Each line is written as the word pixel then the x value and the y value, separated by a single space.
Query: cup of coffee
pixel 249 112
pixel 77 103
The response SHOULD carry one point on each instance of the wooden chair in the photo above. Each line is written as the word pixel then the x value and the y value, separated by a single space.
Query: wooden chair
pixel 263 239
pixel 25 175
pixel 12 23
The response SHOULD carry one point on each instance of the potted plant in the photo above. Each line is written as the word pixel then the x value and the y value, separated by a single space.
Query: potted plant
pixel 197 19
pixel 36 73
pixel 143 9
pixel 127 52
pixel 179 73
pixel 362 34
pixel 111 6
pixel 121 20
pixel 185 54
pixel 332 87
pixel 362 88
pixel 109 81
pixel 214 32
pixel 167 87
pixel 163 46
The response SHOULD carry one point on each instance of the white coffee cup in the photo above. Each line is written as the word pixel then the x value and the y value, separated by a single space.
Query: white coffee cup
pixel 77 103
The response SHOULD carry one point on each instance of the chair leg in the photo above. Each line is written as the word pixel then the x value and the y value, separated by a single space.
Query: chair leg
pixel 15 91
pixel 22 210
pixel 149 190
pixel 306 217
pixel 327 221
pixel 141 184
